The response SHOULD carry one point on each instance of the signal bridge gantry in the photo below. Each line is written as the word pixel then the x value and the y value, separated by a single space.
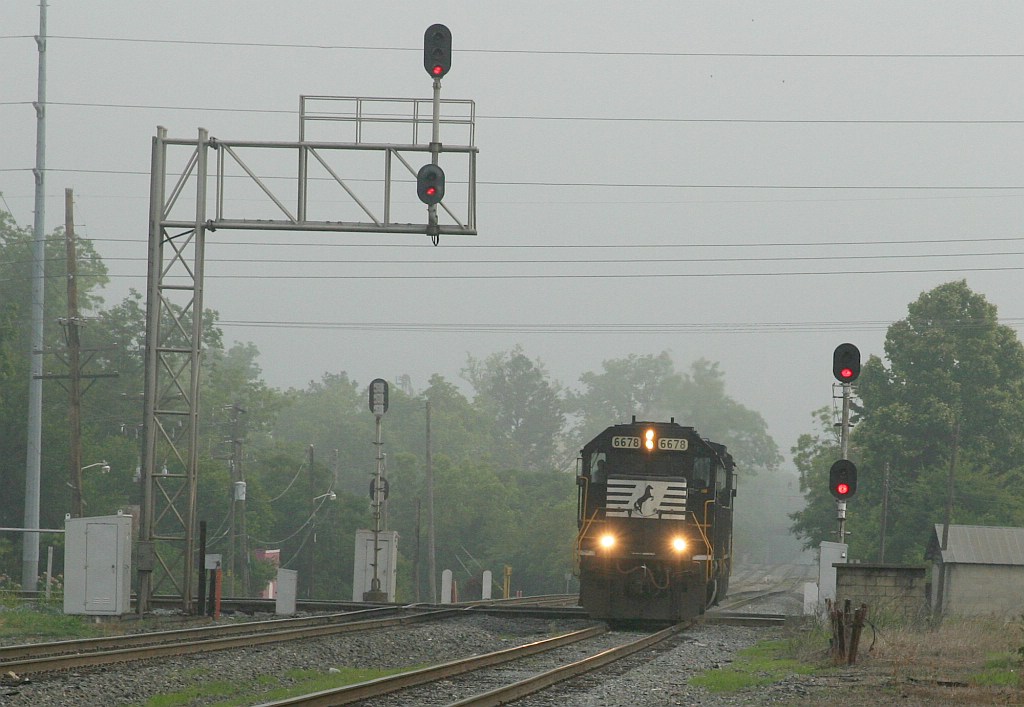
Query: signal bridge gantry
pixel 356 167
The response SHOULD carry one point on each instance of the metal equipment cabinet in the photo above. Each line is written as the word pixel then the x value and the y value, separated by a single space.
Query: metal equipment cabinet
pixel 387 563
pixel 97 565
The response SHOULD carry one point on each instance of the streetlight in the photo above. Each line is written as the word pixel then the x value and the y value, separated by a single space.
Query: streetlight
pixel 104 467
pixel 329 496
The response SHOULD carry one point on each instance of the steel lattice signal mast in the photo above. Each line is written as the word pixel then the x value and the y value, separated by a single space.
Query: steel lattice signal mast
pixel 295 180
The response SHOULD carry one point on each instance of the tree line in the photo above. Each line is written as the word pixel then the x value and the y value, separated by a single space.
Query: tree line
pixel 504 441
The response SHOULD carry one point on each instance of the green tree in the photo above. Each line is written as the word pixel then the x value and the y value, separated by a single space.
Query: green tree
pixel 649 387
pixel 952 385
pixel 635 385
pixel 525 405
pixel 16 258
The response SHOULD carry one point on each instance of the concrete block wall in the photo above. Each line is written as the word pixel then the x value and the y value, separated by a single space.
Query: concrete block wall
pixel 891 590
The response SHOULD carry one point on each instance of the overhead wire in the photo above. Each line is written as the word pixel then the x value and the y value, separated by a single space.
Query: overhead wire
pixel 567 118
pixel 556 52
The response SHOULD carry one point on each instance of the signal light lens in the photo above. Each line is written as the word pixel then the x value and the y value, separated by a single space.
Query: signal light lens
pixel 846 373
pixel 437 70
pixel 842 489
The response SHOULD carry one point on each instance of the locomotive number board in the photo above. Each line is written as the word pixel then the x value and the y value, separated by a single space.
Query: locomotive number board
pixel 666 444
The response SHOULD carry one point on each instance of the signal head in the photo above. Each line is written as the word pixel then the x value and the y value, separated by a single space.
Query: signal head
pixel 842 479
pixel 846 363
pixel 430 184
pixel 437 50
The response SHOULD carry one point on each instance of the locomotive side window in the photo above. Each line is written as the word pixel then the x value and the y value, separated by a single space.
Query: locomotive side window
pixel 598 467
pixel 702 472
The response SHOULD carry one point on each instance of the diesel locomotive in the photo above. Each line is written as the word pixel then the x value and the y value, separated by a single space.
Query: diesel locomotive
pixel 655 505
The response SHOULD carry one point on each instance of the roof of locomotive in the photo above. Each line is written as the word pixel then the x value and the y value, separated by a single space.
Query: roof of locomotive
pixel 716 449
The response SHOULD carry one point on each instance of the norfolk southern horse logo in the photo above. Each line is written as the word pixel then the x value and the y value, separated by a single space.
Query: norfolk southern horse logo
pixel 638 504
pixel 646 498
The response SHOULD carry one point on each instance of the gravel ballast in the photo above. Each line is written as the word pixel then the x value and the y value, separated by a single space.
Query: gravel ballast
pixel 658 677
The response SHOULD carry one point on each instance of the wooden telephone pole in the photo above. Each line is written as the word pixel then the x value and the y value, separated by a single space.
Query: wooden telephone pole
pixel 74 345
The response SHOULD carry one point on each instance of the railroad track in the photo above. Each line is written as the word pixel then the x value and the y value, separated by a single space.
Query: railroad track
pixel 495 668
pixel 62 655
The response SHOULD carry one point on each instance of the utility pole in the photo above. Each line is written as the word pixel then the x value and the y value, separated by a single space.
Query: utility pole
pixel 33 454
pixel 940 594
pixel 311 552
pixel 431 559
pixel 239 529
pixel 885 514
pixel 74 345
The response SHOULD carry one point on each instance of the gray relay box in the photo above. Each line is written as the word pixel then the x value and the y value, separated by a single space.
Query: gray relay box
pixel 97 565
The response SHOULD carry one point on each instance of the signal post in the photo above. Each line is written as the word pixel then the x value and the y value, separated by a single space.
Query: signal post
pixel 842 478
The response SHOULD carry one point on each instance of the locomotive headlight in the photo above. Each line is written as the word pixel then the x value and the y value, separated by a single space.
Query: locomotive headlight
pixel 679 543
pixel 649 439
pixel 606 541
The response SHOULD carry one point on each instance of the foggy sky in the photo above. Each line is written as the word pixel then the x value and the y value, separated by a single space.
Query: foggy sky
pixel 780 167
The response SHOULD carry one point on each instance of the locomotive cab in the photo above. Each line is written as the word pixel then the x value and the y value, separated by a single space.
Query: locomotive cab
pixel 655 522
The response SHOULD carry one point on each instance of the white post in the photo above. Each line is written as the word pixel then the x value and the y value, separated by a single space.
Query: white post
pixel 446 587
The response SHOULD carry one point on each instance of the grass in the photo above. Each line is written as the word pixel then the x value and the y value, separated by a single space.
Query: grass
pixel 761 664
pixel 27 622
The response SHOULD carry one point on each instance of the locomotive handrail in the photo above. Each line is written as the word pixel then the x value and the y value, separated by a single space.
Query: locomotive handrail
pixel 583 531
pixel 709 567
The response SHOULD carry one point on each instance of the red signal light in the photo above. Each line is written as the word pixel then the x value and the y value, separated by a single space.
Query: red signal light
pixel 431 191
pixel 438 70
pixel 842 489
pixel 846 373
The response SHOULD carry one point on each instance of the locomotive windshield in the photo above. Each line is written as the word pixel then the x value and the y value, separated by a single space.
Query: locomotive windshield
pixel 622 462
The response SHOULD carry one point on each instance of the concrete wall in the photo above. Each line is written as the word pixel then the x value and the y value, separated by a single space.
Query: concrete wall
pixel 984 590
pixel 888 590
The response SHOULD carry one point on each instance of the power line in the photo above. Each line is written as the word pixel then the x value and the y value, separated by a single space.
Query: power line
pixel 574 276
pixel 553 52
pixel 596 328
pixel 629 246
pixel 573 118
pixel 617 185
pixel 592 261
pixel 607 276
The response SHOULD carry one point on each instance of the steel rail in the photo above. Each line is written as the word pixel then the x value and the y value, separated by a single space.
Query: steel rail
pixel 194 633
pixel 382 686
pixel 185 645
pixel 517 690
